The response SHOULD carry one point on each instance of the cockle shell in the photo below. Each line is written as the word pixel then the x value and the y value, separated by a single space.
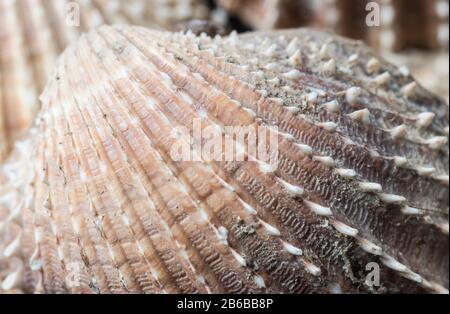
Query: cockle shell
pixel 361 182
pixel 34 32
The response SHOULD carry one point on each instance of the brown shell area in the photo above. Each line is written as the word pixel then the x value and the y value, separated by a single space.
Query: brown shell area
pixel 271 14
pixel 362 175
pixel 34 32
pixel 402 24
pixel 168 13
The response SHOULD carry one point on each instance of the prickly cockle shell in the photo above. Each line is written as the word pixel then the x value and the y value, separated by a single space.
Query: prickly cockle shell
pixel 169 13
pixel 361 182
pixel 403 24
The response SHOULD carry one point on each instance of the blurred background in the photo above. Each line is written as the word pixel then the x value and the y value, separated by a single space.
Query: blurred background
pixel 413 34
pixel 410 33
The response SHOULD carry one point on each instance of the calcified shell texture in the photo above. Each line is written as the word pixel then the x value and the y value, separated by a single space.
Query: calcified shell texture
pixel 34 32
pixel 168 13
pixel 361 180
pixel 403 23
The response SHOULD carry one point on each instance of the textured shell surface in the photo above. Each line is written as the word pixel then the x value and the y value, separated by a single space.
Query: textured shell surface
pixel 433 75
pixel 271 14
pixel 168 13
pixel 361 178
pixel 411 24
pixel 34 32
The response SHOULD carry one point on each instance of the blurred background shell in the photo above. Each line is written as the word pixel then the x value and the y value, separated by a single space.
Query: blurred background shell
pixel 362 174
pixel 34 32
pixel 271 14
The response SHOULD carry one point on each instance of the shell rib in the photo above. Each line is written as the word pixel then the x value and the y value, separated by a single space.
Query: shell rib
pixel 32 34
pixel 270 14
pixel 427 27
pixel 168 13
pixel 112 211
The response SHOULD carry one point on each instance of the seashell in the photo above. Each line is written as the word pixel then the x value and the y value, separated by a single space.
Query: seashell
pixel 11 268
pixel 209 27
pixel 384 24
pixel 34 32
pixel 158 14
pixel 270 14
pixel 110 189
